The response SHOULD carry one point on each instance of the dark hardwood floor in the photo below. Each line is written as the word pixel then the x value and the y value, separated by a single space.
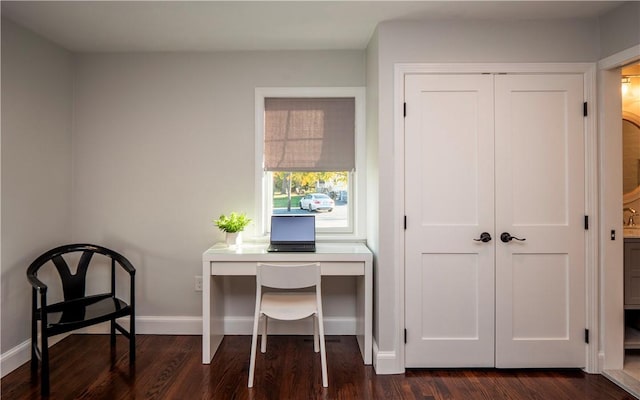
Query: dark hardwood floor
pixel 169 367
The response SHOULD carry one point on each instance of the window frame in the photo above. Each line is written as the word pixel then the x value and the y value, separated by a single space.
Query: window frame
pixel 357 178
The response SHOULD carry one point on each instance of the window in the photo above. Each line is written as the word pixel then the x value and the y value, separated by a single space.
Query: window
pixel 310 157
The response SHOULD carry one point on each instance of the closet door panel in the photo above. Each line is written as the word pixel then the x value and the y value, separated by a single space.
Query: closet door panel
pixel 540 297
pixel 537 153
pixel 449 287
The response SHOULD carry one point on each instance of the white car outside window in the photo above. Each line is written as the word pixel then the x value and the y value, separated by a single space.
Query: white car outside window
pixel 317 202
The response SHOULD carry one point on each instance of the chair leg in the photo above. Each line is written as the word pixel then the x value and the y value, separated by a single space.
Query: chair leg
pixel 132 340
pixel 254 348
pixel 34 354
pixel 323 353
pixel 263 342
pixel 316 341
pixel 112 332
pixel 44 373
pixel 34 335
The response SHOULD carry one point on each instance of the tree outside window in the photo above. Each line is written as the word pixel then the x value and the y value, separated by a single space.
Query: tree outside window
pixel 290 189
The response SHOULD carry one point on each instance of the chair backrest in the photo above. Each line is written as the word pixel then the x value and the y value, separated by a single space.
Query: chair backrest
pixel 288 276
pixel 73 285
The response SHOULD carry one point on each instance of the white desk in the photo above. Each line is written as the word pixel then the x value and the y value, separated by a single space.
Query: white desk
pixel 336 259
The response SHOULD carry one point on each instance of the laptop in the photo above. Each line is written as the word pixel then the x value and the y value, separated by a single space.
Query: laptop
pixel 293 233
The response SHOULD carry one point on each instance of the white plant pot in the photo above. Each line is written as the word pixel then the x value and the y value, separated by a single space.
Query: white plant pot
pixel 233 238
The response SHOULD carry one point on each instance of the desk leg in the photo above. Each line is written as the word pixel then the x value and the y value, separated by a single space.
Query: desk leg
pixel 364 315
pixel 212 313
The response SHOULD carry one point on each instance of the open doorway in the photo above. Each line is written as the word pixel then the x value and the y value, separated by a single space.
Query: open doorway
pixel 630 92
pixel 612 352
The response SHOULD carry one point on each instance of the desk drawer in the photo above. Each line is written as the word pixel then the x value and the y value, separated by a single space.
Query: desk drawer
pixel 329 268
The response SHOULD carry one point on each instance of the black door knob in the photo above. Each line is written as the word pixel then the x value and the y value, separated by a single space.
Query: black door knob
pixel 506 237
pixel 484 237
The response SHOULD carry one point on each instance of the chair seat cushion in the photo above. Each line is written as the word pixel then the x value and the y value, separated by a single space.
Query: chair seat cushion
pixel 85 311
pixel 288 305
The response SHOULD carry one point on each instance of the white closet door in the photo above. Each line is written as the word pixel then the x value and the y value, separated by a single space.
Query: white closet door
pixel 449 181
pixel 506 304
pixel 540 282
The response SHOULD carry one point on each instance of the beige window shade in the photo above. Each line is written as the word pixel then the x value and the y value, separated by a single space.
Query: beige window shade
pixel 309 134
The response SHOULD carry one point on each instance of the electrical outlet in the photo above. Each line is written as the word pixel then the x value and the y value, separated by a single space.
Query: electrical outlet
pixel 198 286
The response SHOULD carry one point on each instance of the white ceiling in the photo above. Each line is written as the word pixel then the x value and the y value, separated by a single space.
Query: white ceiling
pixel 88 26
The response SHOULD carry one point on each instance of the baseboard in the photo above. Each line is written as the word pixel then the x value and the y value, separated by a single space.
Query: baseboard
pixel 386 362
pixel 600 366
pixel 233 326
pixel 21 354
pixel 189 325
pixel 332 326
pixel 149 325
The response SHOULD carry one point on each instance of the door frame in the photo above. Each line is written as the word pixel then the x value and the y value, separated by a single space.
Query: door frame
pixel 610 125
pixel 588 70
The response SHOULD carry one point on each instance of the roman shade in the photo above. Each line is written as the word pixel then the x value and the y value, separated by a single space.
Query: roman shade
pixel 309 134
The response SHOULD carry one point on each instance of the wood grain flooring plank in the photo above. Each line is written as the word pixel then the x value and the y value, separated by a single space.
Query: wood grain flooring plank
pixel 169 367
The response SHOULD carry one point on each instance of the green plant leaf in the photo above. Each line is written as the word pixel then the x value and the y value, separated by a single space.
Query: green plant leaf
pixel 235 222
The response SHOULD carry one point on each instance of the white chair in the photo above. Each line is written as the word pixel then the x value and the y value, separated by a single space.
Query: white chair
pixel 288 305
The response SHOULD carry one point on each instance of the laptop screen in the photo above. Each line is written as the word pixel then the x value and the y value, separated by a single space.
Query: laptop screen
pixel 293 228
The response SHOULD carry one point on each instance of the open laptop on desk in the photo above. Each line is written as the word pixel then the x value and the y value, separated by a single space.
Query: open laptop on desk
pixel 293 233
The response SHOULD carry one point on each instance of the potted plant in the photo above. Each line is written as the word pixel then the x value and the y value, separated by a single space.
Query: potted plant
pixel 233 225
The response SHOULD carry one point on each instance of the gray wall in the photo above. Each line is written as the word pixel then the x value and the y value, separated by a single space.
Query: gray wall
pixel 620 29
pixel 163 143
pixel 36 166
pixel 448 42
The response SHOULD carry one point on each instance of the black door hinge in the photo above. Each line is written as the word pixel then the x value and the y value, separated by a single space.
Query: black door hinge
pixel 405 336
pixel 586 336
pixel 405 109
pixel 586 222
pixel 585 109
pixel 405 222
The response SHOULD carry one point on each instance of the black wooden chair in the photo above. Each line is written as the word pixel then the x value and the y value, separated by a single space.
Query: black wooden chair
pixel 77 310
